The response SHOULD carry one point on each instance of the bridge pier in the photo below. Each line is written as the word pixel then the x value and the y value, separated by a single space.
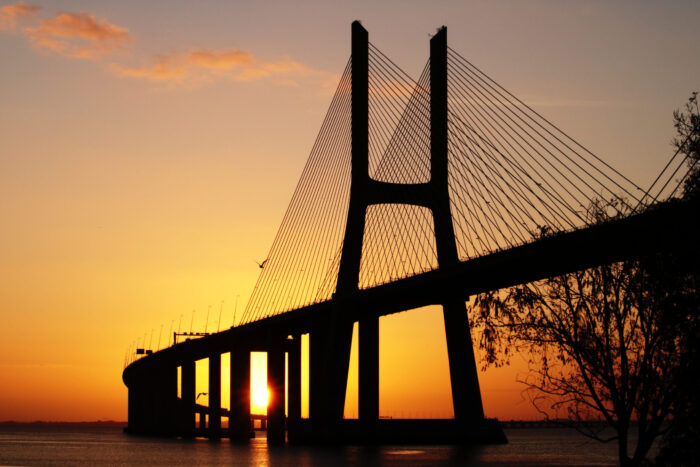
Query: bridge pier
pixel 330 340
pixel 368 370
pixel 275 383
pixel 152 403
pixel 239 414
pixel 214 428
pixel 293 386
pixel 165 395
pixel 138 408
pixel 466 395
pixel 187 399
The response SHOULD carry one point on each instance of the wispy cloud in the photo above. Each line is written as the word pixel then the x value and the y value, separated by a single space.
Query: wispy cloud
pixel 78 35
pixel 206 64
pixel 10 14
pixel 82 35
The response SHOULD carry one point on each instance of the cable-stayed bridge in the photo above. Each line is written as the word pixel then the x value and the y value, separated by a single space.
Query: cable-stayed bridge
pixel 415 193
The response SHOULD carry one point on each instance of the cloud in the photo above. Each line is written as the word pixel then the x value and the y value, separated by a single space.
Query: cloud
pixel 214 59
pixel 9 14
pixel 78 35
pixel 206 64
pixel 84 36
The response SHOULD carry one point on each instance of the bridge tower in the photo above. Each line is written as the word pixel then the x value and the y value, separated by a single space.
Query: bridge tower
pixel 331 339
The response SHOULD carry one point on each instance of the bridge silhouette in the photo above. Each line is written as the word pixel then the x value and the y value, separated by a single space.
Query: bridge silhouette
pixel 416 193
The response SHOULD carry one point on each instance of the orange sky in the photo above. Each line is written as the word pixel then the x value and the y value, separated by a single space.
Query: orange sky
pixel 148 152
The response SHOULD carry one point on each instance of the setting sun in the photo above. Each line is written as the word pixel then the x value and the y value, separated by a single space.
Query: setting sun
pixel 261 397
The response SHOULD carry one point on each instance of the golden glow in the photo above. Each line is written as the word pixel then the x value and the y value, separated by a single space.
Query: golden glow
pixel 414 375
pixel 258 383
pixel 261 397
pixel 128 201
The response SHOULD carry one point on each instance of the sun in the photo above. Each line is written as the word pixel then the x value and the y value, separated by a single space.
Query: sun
pixel 261 397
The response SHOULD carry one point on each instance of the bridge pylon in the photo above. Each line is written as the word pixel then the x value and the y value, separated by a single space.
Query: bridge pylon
pixel 331 339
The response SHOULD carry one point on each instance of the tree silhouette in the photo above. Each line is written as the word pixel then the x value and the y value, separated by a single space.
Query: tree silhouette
pixel 687 142
pixel 604 344
pixel 618 343
pixel 680 444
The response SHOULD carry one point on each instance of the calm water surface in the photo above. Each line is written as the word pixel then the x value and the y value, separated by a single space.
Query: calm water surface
pixel 110 446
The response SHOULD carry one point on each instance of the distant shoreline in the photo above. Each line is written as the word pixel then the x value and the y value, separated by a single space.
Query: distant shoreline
pixel 98 423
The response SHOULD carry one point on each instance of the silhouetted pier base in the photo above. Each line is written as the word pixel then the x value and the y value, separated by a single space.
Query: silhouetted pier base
pixel 275 383
pixel 401 432
pixel 188 416
pixel 214 396
pixel 239 415
pixel 153 404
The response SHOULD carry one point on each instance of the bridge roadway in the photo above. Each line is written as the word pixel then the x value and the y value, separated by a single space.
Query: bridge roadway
pixel 667 227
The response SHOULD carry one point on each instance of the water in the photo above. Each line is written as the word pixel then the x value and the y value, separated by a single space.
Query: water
pixel 110 446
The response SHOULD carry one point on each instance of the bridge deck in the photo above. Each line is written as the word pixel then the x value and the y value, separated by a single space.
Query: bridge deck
pixel 667 227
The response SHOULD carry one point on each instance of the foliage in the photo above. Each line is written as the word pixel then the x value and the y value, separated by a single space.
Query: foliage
pixel 603 343
pixel 687 142
pixel 679 446
pixel 618 343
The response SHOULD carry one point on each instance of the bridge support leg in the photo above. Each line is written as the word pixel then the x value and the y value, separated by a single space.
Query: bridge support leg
pixel 187 409
pixel 329 354
pixel 163 401
pixel 137 408
pixel 318 384
pixel 171 391
pixel 275 383
pixel 215 396
pixel 153 403
pixel 239 416
pixel 368 371
pixel 466 396
pixel 294 386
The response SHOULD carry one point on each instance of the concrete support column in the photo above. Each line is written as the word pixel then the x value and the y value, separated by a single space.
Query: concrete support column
pixel 187 389
pixel 153 403
pixel 137 409
pixel 466 398
pixel 368 370
pixel 164 401
pixel 293 382
pixel 329 356
pixel 149 402
pixel 275 383
pixel 466 395
pixel 318 380
pixel 239 417
pixel 215 396
pixel 332 336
